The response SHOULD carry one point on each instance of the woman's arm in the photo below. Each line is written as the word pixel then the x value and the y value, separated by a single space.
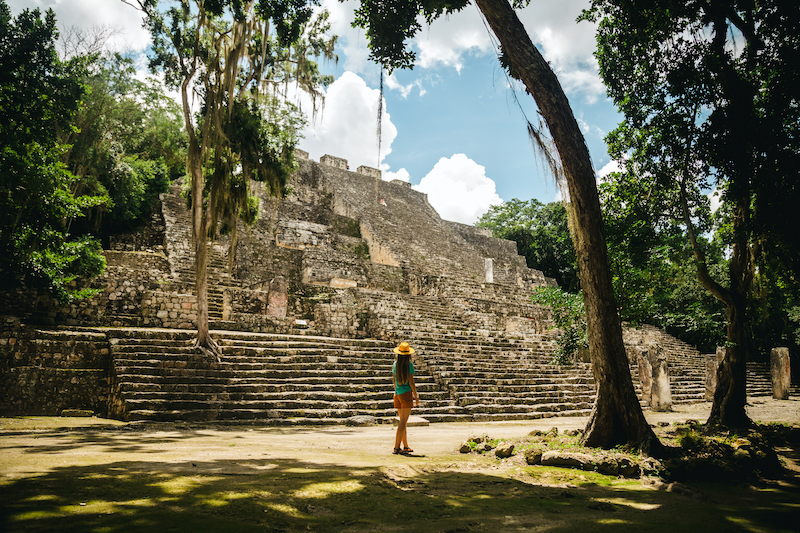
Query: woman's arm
pixel 413 390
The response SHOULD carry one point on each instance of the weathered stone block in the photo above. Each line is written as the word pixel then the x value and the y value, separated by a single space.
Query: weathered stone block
pixel 369 171
pixel 568 459
pixel 712 365
pixel 339 283
pixel 654 378
pixel 504 450
pixel 660 393
pixel 278 299
pixel 645 372
pixel 781 373
pixel 488 265
pixel 332 161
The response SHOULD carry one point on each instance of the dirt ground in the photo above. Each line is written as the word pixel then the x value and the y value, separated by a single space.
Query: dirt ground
pixel 89 474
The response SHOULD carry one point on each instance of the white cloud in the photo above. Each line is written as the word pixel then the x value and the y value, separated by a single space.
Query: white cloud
pixel 568 45
pixel 347 127
pixel 608 168
pixel 448 39
pixel 85 14
pixel 459 190
pixel 352 41
pixel 401 175
pixel 716 200
pixel 392 83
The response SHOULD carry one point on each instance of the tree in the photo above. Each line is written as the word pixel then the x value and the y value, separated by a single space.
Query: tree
pixel 39 96
pixel 127 143
pixel 655 280
pixel 542 236
pixel 569 315
pixel 702 109
pixel 230 53
pixel 617 417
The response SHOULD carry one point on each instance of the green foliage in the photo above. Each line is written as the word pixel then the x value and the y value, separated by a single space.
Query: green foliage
pixel 709 94
pixel 569 316
pixel 794 318
pixel 390 23
pixel 542 235
pixel 128 143
pixel 134 188
pixel 655 279
pixel 241 57
pixel 38 199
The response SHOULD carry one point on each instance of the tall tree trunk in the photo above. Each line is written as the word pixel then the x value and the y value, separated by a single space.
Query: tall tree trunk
pixel 204 341
pixel 730 397
pixel 617 417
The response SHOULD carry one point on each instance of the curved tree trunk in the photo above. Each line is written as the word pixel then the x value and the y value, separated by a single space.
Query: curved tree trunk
pixel 730 396
pixel 617 417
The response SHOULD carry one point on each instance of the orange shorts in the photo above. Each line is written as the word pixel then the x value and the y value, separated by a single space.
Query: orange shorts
pixel 404 401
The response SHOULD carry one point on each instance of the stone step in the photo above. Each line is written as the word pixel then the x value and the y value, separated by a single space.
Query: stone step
pixel 519 409
pixel 429 390
pixel 125 372
pixel 189 403
pixel 214 379
pixel 504 402
pixel 286 417
pixel 266 357
pixel 529 415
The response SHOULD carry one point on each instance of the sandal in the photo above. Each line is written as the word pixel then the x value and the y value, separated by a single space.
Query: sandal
pixel 397 451
pixel 407 450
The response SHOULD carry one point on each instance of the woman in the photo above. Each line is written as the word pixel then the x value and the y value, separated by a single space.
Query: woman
pixel 405 394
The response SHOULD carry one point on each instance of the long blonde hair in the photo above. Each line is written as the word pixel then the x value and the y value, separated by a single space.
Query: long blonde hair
pixel 402 369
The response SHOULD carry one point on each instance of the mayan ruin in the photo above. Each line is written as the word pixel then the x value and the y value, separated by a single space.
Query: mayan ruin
pixel 327 280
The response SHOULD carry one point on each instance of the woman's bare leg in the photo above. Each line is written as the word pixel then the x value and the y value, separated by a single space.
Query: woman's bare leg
pixel 400 436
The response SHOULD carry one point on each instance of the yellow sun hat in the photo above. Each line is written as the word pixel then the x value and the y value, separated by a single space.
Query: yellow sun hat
pixel 404 349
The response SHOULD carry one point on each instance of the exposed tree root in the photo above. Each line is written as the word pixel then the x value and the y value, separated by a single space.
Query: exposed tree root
pixel 210 349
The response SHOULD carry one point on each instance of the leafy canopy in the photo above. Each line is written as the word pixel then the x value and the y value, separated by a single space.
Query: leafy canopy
pixel 39 96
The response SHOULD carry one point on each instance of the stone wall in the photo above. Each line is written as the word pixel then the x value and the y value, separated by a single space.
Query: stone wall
pixel 169 309
pixel 44 372
pixel 120 294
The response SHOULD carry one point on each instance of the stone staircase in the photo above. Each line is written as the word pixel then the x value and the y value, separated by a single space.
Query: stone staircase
pixel 759 382
pixel 686 364
pixel 276 379
pixel 492 377
pixel 462 375
pixel 181 253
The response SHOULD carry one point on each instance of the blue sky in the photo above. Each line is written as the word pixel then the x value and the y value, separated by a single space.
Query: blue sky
pixel 451 126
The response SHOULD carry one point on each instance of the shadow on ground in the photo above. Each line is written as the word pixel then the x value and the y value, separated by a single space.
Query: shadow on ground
pixel 291 495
